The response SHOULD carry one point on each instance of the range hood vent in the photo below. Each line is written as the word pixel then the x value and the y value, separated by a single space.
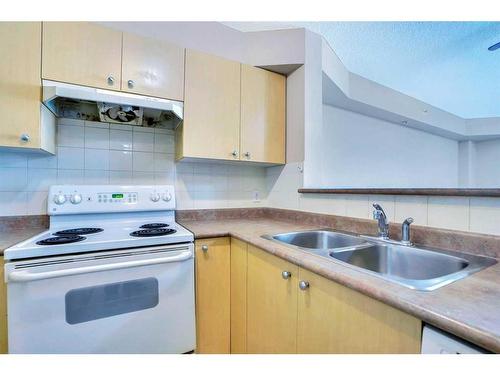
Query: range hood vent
pixel 87 103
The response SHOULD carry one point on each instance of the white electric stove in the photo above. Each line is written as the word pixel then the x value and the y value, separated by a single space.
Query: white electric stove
pixel 114 273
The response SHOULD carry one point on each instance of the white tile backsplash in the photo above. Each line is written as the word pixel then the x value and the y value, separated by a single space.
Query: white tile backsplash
pixel 96 159
pixel 71 135
pixel 143 141
pixel 143 162
pixel 120 160
pixel 13 179
pixel 96 153
pixel 120 140
pixel 96 138
pixel 70 157
pixel 91 152
pixel 12 160
pixel 411 206
pixel 448 212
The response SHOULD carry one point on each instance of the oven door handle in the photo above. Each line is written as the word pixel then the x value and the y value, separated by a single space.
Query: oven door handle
pixel 26 276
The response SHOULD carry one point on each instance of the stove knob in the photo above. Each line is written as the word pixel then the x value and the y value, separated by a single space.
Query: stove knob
pixel 155 197
pixel 167 197
pixel 59 199
pixel 76 198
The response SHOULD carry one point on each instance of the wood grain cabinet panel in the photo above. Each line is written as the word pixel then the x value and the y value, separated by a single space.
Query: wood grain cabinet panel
pixel 20 84
pixel 211 126
pixel 213 295
pixel 335 319
pixel 82 53
pixel 238 296
pixel 152 67
pixel 263 101
pixel 3 310
pixel 271 304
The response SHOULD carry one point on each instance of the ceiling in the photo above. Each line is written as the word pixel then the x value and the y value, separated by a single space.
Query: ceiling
pixel 446 64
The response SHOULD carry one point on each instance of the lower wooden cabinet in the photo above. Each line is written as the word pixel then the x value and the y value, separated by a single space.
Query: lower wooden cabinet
pixel 271 303
pixel 250 301
pixel 238 296
pixel 3 310
pixel 213 295
pixel 335 319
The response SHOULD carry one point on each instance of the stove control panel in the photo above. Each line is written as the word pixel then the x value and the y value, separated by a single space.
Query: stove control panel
pixel 79 199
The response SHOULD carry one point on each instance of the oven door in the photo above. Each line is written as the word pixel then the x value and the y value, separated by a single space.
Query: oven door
pixel 130 301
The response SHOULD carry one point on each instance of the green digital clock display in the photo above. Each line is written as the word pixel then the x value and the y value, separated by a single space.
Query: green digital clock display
pixel 117 196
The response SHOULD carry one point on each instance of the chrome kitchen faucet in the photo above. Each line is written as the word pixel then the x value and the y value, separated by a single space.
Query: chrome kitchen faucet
pixel 383 223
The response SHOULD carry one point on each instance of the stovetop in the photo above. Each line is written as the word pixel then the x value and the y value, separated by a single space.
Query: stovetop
pixel 116 233
pixel 88 218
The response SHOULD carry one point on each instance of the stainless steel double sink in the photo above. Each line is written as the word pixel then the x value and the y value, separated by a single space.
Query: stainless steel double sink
pixel 417 268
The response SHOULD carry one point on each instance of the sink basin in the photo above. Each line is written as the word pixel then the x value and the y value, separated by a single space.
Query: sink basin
pixel 417 268
pixel 319 239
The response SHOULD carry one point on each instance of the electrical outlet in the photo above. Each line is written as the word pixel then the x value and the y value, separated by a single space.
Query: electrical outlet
pixel 256 196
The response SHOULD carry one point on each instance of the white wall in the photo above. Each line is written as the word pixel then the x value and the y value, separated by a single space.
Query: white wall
pixel 486 164
pixel 360 151
pixel 100 153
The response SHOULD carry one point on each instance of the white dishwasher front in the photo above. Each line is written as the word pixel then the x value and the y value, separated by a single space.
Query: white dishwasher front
pixel 435 341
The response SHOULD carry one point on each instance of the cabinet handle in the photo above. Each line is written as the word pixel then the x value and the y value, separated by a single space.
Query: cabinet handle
pixel 130 84
pixel 204 247
pixel 234 153
pixel 286 275
pixel 25 137
pixel 303 285
pixel 247 155
pixel 111 80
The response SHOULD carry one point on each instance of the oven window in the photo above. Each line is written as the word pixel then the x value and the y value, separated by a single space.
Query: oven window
pixel 102 301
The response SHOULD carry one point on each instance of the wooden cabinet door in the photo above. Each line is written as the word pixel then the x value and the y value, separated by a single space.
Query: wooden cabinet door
pixel 213 295
pixel 271 304
pixel 335 319
pixel 152 67
pixel 82 53
pixel 211 127
pixel 20 83
pixel 238 296
pixel 3 310
pixel 263 103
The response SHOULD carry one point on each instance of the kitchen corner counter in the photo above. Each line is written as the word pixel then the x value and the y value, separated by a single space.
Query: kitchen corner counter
pixel 14 236
pixel 468 308
pixel 14 229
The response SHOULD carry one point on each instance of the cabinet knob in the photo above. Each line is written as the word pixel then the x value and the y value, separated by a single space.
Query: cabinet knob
pixel 303 285
pixel 111 80
pixel 204 247
pixel 247 155
pixel 25 137
pixel 234 153
pixel 286 275
pixel 130 84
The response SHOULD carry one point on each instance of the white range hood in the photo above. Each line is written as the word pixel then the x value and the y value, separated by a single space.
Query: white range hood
pixel 67 100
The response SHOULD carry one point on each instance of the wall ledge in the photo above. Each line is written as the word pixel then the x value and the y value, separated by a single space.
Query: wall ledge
pixel 456 192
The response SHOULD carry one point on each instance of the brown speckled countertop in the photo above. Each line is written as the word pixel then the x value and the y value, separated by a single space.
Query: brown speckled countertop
pixel 469 308
pixel 13 236
pixel 14 229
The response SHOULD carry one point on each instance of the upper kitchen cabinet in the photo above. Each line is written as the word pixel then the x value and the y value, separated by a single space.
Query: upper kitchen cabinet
pixel 211 127
pixel 152 67
pixel 26 124
pixel 82 53
pixel 263 101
